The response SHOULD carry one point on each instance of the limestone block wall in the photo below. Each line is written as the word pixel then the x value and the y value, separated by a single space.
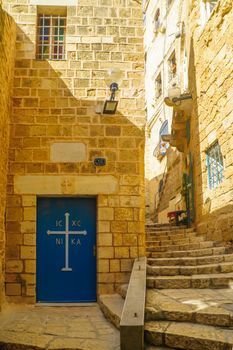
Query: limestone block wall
pixel 7 44
pixel 170 198
pixel 212 119
pixel 59 102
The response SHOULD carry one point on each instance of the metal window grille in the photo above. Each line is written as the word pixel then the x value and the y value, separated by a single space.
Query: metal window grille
pixel 51 37
pixel 215 166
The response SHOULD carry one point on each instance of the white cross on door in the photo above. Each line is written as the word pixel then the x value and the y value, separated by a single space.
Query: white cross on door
pixel 67 233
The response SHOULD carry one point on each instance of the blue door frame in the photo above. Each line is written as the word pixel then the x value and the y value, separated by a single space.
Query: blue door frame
pixel 66 241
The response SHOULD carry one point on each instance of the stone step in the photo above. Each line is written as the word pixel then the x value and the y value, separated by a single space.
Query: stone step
pixel 112 306
pixel 189 261
pixel 169 232
pixel 152 347
pixel 204 306
pixel 168 227
pixel 154 224
pixel 222 280
pixel 177 241
pixel 188 336
pixel 178 236
pixel 190 246
pixel 189 270
pixel 188 253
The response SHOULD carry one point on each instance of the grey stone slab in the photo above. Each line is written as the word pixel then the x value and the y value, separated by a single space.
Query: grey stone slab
pixel 132 320
pixel 112 306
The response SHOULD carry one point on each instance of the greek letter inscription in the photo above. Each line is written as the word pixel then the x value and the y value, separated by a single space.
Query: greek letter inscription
pixel 58 223
pixel 76 223
pixel 75 242
pixel 67 232
pixel 59 241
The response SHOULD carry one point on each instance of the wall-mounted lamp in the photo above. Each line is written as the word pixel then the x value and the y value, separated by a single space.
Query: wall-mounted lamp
pixel 175 97
pixel 113 79
pixel 182 98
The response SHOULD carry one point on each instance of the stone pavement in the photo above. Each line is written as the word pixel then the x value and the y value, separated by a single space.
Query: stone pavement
pixel 75 327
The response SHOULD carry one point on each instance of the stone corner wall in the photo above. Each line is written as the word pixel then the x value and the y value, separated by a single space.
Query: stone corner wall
pixel 212 119
pixel 7 44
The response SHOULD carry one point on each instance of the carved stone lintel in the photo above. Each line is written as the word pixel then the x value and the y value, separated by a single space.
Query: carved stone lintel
pixel 67 186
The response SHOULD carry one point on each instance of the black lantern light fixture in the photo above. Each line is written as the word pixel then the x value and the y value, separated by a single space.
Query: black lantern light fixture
pixel 113 79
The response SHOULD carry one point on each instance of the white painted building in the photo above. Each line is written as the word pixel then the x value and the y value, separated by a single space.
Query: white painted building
pixel 166 65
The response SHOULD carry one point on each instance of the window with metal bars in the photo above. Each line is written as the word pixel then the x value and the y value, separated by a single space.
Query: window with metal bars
pixel 51 37
pixel 215 167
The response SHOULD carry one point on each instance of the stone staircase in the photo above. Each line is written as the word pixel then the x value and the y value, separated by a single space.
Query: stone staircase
pixel 112 305
pixel 189 291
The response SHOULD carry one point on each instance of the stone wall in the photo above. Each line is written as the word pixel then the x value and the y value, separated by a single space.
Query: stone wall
pixel 212 118
pixel 170 197
pixel 59 102
pixel 7 44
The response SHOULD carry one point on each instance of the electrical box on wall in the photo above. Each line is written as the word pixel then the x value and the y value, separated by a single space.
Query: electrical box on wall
pixel 100 161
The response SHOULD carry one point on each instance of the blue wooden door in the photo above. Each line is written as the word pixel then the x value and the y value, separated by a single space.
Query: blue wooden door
pixel 66 240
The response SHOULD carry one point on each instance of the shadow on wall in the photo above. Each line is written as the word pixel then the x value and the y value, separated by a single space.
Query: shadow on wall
pixel 166 186
pixel 194 145
pixel 7 51
pixel 48 106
